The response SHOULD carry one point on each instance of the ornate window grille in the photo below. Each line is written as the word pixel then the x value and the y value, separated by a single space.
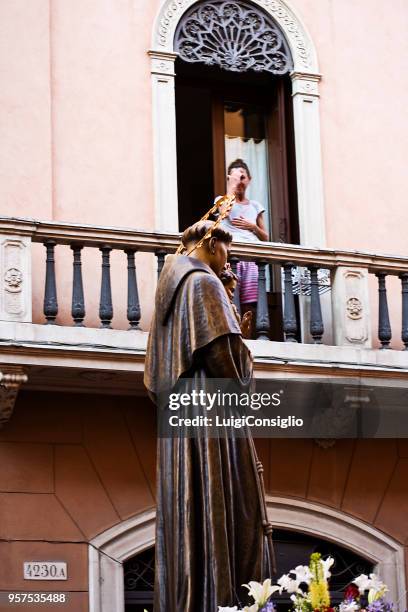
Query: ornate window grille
pixel 139 582
pixel 236 36
pixel 291 549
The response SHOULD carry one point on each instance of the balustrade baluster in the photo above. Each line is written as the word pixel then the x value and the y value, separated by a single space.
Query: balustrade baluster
pixel 161 257
pixel 289 312
pixel 50 292
pixel 234 267
pixel 384 327
pixel 105 303
pixel 78 302
pixel 404 289
pixel 133 308
pixel 262 314
pixel 316 320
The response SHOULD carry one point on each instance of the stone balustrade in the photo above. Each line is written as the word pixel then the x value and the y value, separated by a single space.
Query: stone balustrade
pixel 319 286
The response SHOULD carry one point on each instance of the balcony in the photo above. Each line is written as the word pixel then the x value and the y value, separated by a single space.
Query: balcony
pixel 76 301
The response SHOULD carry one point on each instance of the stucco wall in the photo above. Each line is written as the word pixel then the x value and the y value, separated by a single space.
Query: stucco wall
pixel 78 101
pixel 74 465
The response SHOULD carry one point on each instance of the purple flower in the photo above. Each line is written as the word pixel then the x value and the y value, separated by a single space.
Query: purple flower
pixel 268 608
pixel 380 605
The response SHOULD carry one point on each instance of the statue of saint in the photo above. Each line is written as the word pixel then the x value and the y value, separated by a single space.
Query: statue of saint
pixel 211 524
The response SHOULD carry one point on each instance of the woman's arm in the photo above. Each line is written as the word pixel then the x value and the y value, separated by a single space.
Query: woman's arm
pixel 260 228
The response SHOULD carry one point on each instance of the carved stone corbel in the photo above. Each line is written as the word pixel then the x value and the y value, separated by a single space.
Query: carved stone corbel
pixel 11 379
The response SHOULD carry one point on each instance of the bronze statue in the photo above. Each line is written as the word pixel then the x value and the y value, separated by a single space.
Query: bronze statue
pixel 211 533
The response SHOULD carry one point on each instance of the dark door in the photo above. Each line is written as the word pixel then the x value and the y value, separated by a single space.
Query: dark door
pixel 220 116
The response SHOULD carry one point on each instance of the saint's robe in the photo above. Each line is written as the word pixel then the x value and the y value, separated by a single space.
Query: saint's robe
pixel 209 535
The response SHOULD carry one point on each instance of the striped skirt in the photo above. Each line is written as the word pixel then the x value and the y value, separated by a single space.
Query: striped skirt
pixel 247 281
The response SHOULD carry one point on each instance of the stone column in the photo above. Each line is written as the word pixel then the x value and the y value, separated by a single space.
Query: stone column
pixel 15 275
pixel 351 307
pixel 164 135
pixel 308 158
pixel 305 92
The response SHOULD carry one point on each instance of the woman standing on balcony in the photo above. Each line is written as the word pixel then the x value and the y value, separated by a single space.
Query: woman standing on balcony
pixel 246 224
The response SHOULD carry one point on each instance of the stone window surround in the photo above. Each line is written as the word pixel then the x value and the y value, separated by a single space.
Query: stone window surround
pixel 305 78
pixel 109 550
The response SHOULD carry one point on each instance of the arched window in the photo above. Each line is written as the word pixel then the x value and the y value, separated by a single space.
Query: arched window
pixel 110 551
pixel 138 572
pixel 291 549
pixel 233 100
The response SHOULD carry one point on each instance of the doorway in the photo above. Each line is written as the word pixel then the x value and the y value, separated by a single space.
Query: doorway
pixel 222 115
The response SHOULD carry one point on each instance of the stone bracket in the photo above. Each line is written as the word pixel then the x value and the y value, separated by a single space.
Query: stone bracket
pixel 11 379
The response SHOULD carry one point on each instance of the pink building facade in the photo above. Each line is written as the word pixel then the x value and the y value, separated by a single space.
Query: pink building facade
pixel 90 156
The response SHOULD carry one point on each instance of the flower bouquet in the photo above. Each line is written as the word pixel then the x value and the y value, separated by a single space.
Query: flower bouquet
pixel 365 593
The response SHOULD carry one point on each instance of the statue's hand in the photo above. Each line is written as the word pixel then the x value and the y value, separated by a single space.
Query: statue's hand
pixel 246 322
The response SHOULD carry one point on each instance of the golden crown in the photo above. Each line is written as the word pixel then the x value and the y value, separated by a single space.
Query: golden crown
pixel 223 206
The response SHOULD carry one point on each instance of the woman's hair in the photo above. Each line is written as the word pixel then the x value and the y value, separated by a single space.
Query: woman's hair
pixel 195 232
pixel 239 163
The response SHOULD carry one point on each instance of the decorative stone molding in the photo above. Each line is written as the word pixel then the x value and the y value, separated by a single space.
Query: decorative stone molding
pixel 109 550
pixel 305 78
pixel 299 41
pixel 11 379
pixel 13 279
pixel 162 63
pixel 306 119
pixel 351 307
pixel 164 140
pixel 235 35
pixel 354 308
pixel 15 270
pixel 305 83
pixel 317 520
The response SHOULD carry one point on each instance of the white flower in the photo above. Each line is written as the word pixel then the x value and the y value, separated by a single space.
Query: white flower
pixel 349 606
pixel 227 609
pixel 297 605
pixel 261 592
pixel 363 582
pixel 377 588
pixel 302 573
pixel 288 584
pixel 327 563
pixel 253 608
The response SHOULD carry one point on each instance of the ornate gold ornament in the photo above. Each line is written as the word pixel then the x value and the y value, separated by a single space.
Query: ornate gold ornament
pixel 223 207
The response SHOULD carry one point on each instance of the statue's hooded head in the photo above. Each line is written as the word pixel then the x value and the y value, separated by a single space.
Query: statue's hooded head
pixel 208 242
